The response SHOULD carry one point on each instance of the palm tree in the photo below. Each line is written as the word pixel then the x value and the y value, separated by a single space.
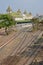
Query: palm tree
pixel 35 21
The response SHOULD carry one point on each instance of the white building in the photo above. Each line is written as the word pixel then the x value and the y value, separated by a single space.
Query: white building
pixel 27 16
pixel 17 19
pixel 23 17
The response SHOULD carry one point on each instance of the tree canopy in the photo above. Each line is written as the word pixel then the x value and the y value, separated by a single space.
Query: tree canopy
pixel 6 21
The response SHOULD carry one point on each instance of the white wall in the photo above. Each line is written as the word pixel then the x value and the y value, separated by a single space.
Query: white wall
pixel 27 17
pixel 24 17
pixel 19 19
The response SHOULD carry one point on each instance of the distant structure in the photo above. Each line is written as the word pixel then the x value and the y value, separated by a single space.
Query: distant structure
pixel 27 16
pixel 24 17
pixel 9 10
pixel 18 15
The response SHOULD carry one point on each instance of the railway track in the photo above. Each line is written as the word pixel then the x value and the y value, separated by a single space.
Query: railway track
pixel 29 60
pixel 10 39
pixel 21 43
pixel 25 54
pixel 4 39
pixel 8 44
pixel 28 43
pixel 1 52
pixel 34 50
pixel 22 49
pixel 30 54
pixel 9 63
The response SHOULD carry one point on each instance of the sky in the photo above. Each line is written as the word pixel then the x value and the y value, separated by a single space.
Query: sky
pixel 33 6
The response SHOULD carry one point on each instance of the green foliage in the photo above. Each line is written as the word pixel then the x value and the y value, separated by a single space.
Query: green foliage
pixel 7 20
pixel 29 21
pixel 35 20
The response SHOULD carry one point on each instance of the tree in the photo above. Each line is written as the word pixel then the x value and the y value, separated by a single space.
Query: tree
pixel 9 9
pixel 35 21
pixel 7 21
